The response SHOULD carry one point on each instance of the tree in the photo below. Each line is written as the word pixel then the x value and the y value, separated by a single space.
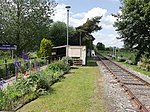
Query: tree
pixel 25 22
pixel 83 32
pixel 79 36
pixel 91 25
pixel 133 25
pixel 4 19
pixel 45 48
pixel 100 46
pixel 58 33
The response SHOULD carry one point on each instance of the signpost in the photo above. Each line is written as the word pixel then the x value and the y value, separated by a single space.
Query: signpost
pixel 8 47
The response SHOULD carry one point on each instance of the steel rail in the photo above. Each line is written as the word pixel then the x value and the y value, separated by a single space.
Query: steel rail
pixel 132 74
pixel 140 79
pixel 141 106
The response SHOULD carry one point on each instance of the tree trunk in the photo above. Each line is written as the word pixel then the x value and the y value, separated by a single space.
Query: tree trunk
pixel 138 56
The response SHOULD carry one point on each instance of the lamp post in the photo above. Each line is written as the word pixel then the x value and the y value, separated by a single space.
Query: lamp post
pixel 67 7
pixel 67 49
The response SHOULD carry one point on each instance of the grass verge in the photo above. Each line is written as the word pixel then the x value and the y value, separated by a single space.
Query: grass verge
pixel 136 68
pixel 128 55
pixel 73 94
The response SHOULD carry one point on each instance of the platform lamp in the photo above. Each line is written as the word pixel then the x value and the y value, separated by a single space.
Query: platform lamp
pixel 67 7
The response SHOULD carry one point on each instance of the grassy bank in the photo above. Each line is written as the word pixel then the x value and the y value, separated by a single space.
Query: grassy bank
pixel 73 94
pixel 127 55
pixel 136 68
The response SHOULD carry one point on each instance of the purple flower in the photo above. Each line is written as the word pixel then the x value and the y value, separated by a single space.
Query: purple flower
pixel 17 64
pixel 1 84
pixel 3 81
pixel 26 57
pixel 23 56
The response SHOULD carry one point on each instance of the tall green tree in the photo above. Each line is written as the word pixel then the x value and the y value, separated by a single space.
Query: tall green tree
pixel 5 18
pixel 91 25
pixel 100 46
pixel 58 33
pixel 133 25
pixel 25 22
pixel 83 32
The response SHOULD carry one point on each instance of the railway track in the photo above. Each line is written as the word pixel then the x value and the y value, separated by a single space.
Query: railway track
pixel 137 89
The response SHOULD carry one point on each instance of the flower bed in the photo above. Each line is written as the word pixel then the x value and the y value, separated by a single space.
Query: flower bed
pixel 27 89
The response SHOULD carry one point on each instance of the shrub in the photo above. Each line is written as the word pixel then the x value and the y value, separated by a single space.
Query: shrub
pixel 55 66
pixel 63 65
pixel 33 55
pixel 113 56
pixel 38 81
pixel 11 68
pixel 121 59
pixel 148 67
pixel 27 89
pixel 1 72
pixel 129 62
pixel 12 94
pixel 41 62
pixel 45 48
pixel 30 97
pixel 67 61
pixel 144 63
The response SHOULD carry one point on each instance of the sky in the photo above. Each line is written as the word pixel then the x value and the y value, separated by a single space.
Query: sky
pixel 82 9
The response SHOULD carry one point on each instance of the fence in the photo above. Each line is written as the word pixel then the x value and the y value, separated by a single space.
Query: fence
pixel 9 69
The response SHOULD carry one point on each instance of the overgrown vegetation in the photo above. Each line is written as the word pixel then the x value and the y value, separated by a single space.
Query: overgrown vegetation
pixel 27 89
pixel 45 49
pixel 74 94
pixel 144 62
pixel 127 58
pixel 100 46
pixel 25 22
pixel 125 54
pixel 133 25
pixel 58 33
pixel 7 69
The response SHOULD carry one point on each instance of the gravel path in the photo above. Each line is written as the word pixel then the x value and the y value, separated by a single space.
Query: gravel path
pixel 9 82
pixel 115 97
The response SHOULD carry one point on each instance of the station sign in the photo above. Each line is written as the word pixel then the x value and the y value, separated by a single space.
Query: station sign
pixel 53 53
pixel 8 47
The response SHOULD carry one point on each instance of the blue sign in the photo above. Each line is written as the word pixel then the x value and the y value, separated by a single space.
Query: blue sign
pixel 8 47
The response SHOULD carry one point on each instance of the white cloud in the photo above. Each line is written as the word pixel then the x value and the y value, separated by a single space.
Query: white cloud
pixel 107 39
pixel 60 13
pixel 119 12
pixel 80 18
pixel 77 19
pixel 108 19
pixel 95 12
pixel 79 15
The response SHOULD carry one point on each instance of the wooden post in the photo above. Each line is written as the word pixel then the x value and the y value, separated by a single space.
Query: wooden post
pixel 35 64
pixel 12 54
pixel 16 68
pixel 5 62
